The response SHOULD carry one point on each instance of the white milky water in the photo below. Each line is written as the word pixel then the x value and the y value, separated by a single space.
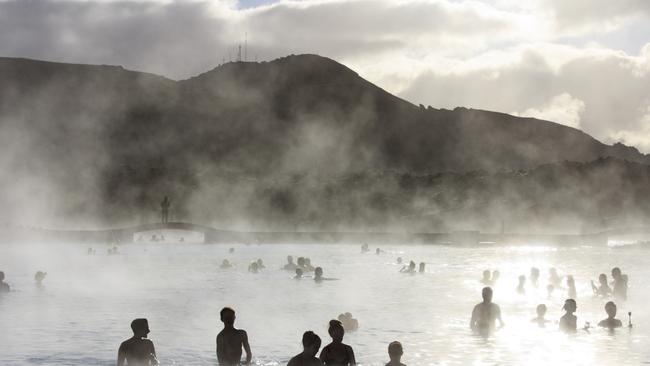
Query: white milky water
pixel 84 308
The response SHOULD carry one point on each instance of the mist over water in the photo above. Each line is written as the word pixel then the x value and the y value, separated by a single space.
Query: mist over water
pixel 83 310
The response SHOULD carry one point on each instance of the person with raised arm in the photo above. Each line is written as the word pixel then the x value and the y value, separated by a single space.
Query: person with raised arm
pixel 230 341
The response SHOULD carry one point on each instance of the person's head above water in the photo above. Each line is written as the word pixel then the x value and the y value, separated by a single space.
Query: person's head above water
pixel 616 272
pixel 610 309
pixel 301 261
pixel 298 273
pixel 486 293
pixel 486 274
pixel 602 279
pixel 570 306
pixel 227 316
pixel 336 330
pixel 395 350
pixel 289 259
pixel 399 259
pixel 541 310
pixel 311 343
pixel 422 266
pixel 318 272
pixel 140 327
pixel 2 276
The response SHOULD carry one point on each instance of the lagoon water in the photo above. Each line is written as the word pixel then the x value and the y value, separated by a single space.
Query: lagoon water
pixel 83 310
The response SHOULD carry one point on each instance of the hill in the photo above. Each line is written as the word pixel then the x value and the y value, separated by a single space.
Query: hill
pixel 102 145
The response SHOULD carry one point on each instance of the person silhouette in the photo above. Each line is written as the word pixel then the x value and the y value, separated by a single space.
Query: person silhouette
pixel 298 275
pixel 495 277
pixel 395 352
pixel 603 288
pixel 541 312
pixel 620 284
pixel 311 344
pixel 337 353
pixel 4 287
pixel 164 208
pixel 137 350
pixel 318 275
pixel 290 266
pixel 421 269
pixel 534 276
pixel 521 290
pixel 611 322
pixel 553 278
pixel 231 340
pixel 408 269
pixel 571 287
pixel 486 280
pixel 569 322
pixel 485 314
pixel 308 266
pixel 39 277
pixel 348 321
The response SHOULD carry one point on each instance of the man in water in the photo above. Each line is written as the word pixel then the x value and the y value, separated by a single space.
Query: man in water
pixel 611 322
pixel 298 275
pixel 337 353
pixel 486 280
pixel 290 266
pixel 485 314
pixel 534 276
pixel 231 340
pixel 4 287
pixel 568 321
pixel 311 344
pixel 395 353
pixel 603 289
pixel 620 284
pixel 541 312
pixel 137 350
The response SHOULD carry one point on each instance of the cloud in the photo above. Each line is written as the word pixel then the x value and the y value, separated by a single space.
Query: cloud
pixel 562 108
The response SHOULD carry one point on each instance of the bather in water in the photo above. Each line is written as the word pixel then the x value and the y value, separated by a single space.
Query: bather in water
pixel 485 314
pixel 337 353
pixel 395 352
pixel 521 290
pixel 539 319
pixel 230 341
pixel 137 350
pixel 409 269
pixel 318 275
pixel 421 269
pixel 348 321
pixel 290 266
pixel 298 275
pixel 553 278
pixel 39 277
pixel 603 289
pixel 534 276
pixel 310 344
pixel 4 287
pixel 571 287
pixel 568 321
pixel 610 322
pixel 486 280
pixel 619 284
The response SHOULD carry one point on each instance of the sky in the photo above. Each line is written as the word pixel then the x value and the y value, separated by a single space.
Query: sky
pixel 582 63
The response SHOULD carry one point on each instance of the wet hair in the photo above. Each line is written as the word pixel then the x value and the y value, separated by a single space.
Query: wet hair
pixel 395 349
pixel 226 312
pixel 335 326
pixel 310 338
pixel 569 301
pixel 616 271
pixel 486 291
pixel 140 325
pixel 318 270
pixel 610 304
pixel 541 308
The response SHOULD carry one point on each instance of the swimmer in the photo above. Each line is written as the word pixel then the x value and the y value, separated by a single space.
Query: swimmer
pixel 378 251
pixel 260 264
pixel 4 287
pixel 364 248
pixel 486 280
pixel 520 288
pixel 549 290
pixel 421 269
pixel 553 278
pixel 409 269
pixel 226 264
pixel 571 284
pixel 137 350
pixel 569 322
pixel 349 323
pixel 541 312
pixel 39 277
pixel 298 275
pixel 230 341
pixel 619 284
pixel 603 289
pixel 337 353
pixel 534 276
pixel 485 314
pixel 611 322
pixel 318 275
pixel 395 353
pixel 495 277
pixel 253 267
pixel 308 266
pixel 290 266
pixel 301 263
pixel 310 344
pixel 399 260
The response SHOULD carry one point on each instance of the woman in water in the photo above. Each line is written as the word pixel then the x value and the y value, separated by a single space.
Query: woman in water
pixel 603 288
pixel 571 284
pixel 541 312
pixel 611 322
pixel 337 353
pixel 569 322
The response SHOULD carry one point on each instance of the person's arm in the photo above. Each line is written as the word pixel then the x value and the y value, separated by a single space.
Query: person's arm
pixel 152 354
pixel 502 324
pixel 247 347
pixel 472 322
pixel 353 362
pixel 121 356
pixel 220 352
